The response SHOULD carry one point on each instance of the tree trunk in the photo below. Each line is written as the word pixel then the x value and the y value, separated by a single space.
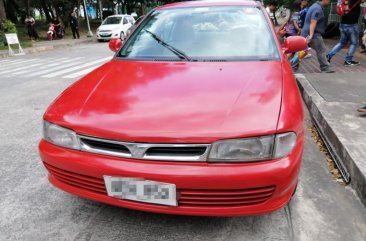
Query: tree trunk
pixel 12 10
pixel 2 12
pixel 27 7
pixel 78 11
pixel 85 13
pixel 101 9
pixel 51 10
pixel 46 11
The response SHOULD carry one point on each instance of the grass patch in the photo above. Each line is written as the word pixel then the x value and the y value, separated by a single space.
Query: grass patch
pixel 42 28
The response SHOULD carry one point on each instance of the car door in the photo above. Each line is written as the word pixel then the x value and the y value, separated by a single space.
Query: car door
pixel 126 24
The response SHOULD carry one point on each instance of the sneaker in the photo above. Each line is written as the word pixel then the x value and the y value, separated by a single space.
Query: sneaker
pixel 362 109
pixel 328 58
pixel 328 70
pixel 351 63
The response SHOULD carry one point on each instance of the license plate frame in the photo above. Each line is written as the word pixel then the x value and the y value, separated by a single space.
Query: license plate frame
pixel 141 190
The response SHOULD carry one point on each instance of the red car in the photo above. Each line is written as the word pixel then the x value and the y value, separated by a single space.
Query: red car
pixel 198 113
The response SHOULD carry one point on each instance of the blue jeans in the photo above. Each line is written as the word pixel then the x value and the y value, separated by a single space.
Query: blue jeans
pixel 349 33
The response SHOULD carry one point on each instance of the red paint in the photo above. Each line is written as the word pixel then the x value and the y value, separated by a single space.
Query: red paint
pixel 181 102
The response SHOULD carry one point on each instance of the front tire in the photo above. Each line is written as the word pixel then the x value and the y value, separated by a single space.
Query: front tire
pixel 122 36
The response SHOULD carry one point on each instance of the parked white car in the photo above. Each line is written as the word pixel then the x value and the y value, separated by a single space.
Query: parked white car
pixel 114 26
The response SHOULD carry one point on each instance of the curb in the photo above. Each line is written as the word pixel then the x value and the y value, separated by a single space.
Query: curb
pixel 37 49
pixel 340 154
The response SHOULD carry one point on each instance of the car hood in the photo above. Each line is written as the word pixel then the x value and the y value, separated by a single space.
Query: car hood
pixel 109 27
pixel 182 102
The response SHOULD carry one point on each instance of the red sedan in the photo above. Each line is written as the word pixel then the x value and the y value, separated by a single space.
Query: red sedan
pixel 198 113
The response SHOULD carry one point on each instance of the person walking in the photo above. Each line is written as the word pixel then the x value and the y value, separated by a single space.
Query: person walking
pixel 74 26
pixel 271 10
pixel 30 22
pixel 313 29
pixel 363 46
pixel 349 33
pixel 302 14
pixel 292 27
pixel 363 109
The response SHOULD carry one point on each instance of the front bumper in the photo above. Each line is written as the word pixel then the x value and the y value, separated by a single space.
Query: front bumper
pixel 108 36
pixel 81 173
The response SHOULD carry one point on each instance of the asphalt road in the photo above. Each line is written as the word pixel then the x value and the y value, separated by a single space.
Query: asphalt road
pixel 32 209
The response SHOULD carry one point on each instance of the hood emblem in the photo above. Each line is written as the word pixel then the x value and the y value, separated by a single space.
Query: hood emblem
pixel 138 150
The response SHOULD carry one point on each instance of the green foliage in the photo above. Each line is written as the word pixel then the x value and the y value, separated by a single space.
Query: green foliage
pixel 7 27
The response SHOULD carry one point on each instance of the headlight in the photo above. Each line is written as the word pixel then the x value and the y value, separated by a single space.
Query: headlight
pixel 60 136
pixel 241 150
pixel 253 149
pixel 284 144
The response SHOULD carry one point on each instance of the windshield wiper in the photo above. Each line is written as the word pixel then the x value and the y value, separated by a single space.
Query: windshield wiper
pixel 176 51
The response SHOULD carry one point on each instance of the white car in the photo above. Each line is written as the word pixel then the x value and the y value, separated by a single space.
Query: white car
pixel 114 26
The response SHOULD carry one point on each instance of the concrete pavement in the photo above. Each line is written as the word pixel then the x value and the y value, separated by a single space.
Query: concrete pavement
pixel 332 100
pixel 49 45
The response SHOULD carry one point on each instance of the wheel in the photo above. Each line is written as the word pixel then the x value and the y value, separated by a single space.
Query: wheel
pixel 122 36
pixel 294 191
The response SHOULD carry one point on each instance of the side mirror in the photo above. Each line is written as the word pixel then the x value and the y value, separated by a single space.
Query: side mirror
pixel 115 44
pixel 294 44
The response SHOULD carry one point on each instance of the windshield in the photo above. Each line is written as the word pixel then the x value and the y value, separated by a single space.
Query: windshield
pixel 202 34
pixel 112 20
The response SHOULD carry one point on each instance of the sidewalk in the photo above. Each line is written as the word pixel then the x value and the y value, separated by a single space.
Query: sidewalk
pixel 332 100
pixel 49 45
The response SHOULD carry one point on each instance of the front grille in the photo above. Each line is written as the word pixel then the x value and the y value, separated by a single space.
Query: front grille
pixel 176 151
pixel 108 146
pixel 145 151
pixel 217 198
pixel 78 180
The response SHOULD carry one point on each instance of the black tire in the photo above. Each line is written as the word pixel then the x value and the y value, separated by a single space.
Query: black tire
pixel 332 30
pixel 294 191
pixel 100 40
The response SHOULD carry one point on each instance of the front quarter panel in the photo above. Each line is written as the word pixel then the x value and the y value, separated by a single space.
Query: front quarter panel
pixel 291 116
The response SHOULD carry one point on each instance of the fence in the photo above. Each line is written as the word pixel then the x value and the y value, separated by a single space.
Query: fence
pixel 334 17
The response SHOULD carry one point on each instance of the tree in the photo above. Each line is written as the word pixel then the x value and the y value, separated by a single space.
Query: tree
pixel 2 12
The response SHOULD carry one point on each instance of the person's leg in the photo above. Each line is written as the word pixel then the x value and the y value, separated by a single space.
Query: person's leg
pixel 29 28
pixel 318 45
pixel 363 46
pixel 73 32
pixel 35 34
pixel 342 42
pixel 353 31
pixel 77 32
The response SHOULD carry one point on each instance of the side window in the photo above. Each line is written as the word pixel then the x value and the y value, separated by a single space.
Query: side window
pixel 125 21
pixel 130 19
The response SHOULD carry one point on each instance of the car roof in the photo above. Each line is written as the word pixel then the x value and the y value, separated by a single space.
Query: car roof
pixel 118 15
pixel 209 3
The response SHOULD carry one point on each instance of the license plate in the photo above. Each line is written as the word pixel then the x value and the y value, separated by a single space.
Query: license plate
pixel 141 190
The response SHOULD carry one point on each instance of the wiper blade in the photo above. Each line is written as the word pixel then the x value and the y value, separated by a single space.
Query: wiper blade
pixel 176 51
